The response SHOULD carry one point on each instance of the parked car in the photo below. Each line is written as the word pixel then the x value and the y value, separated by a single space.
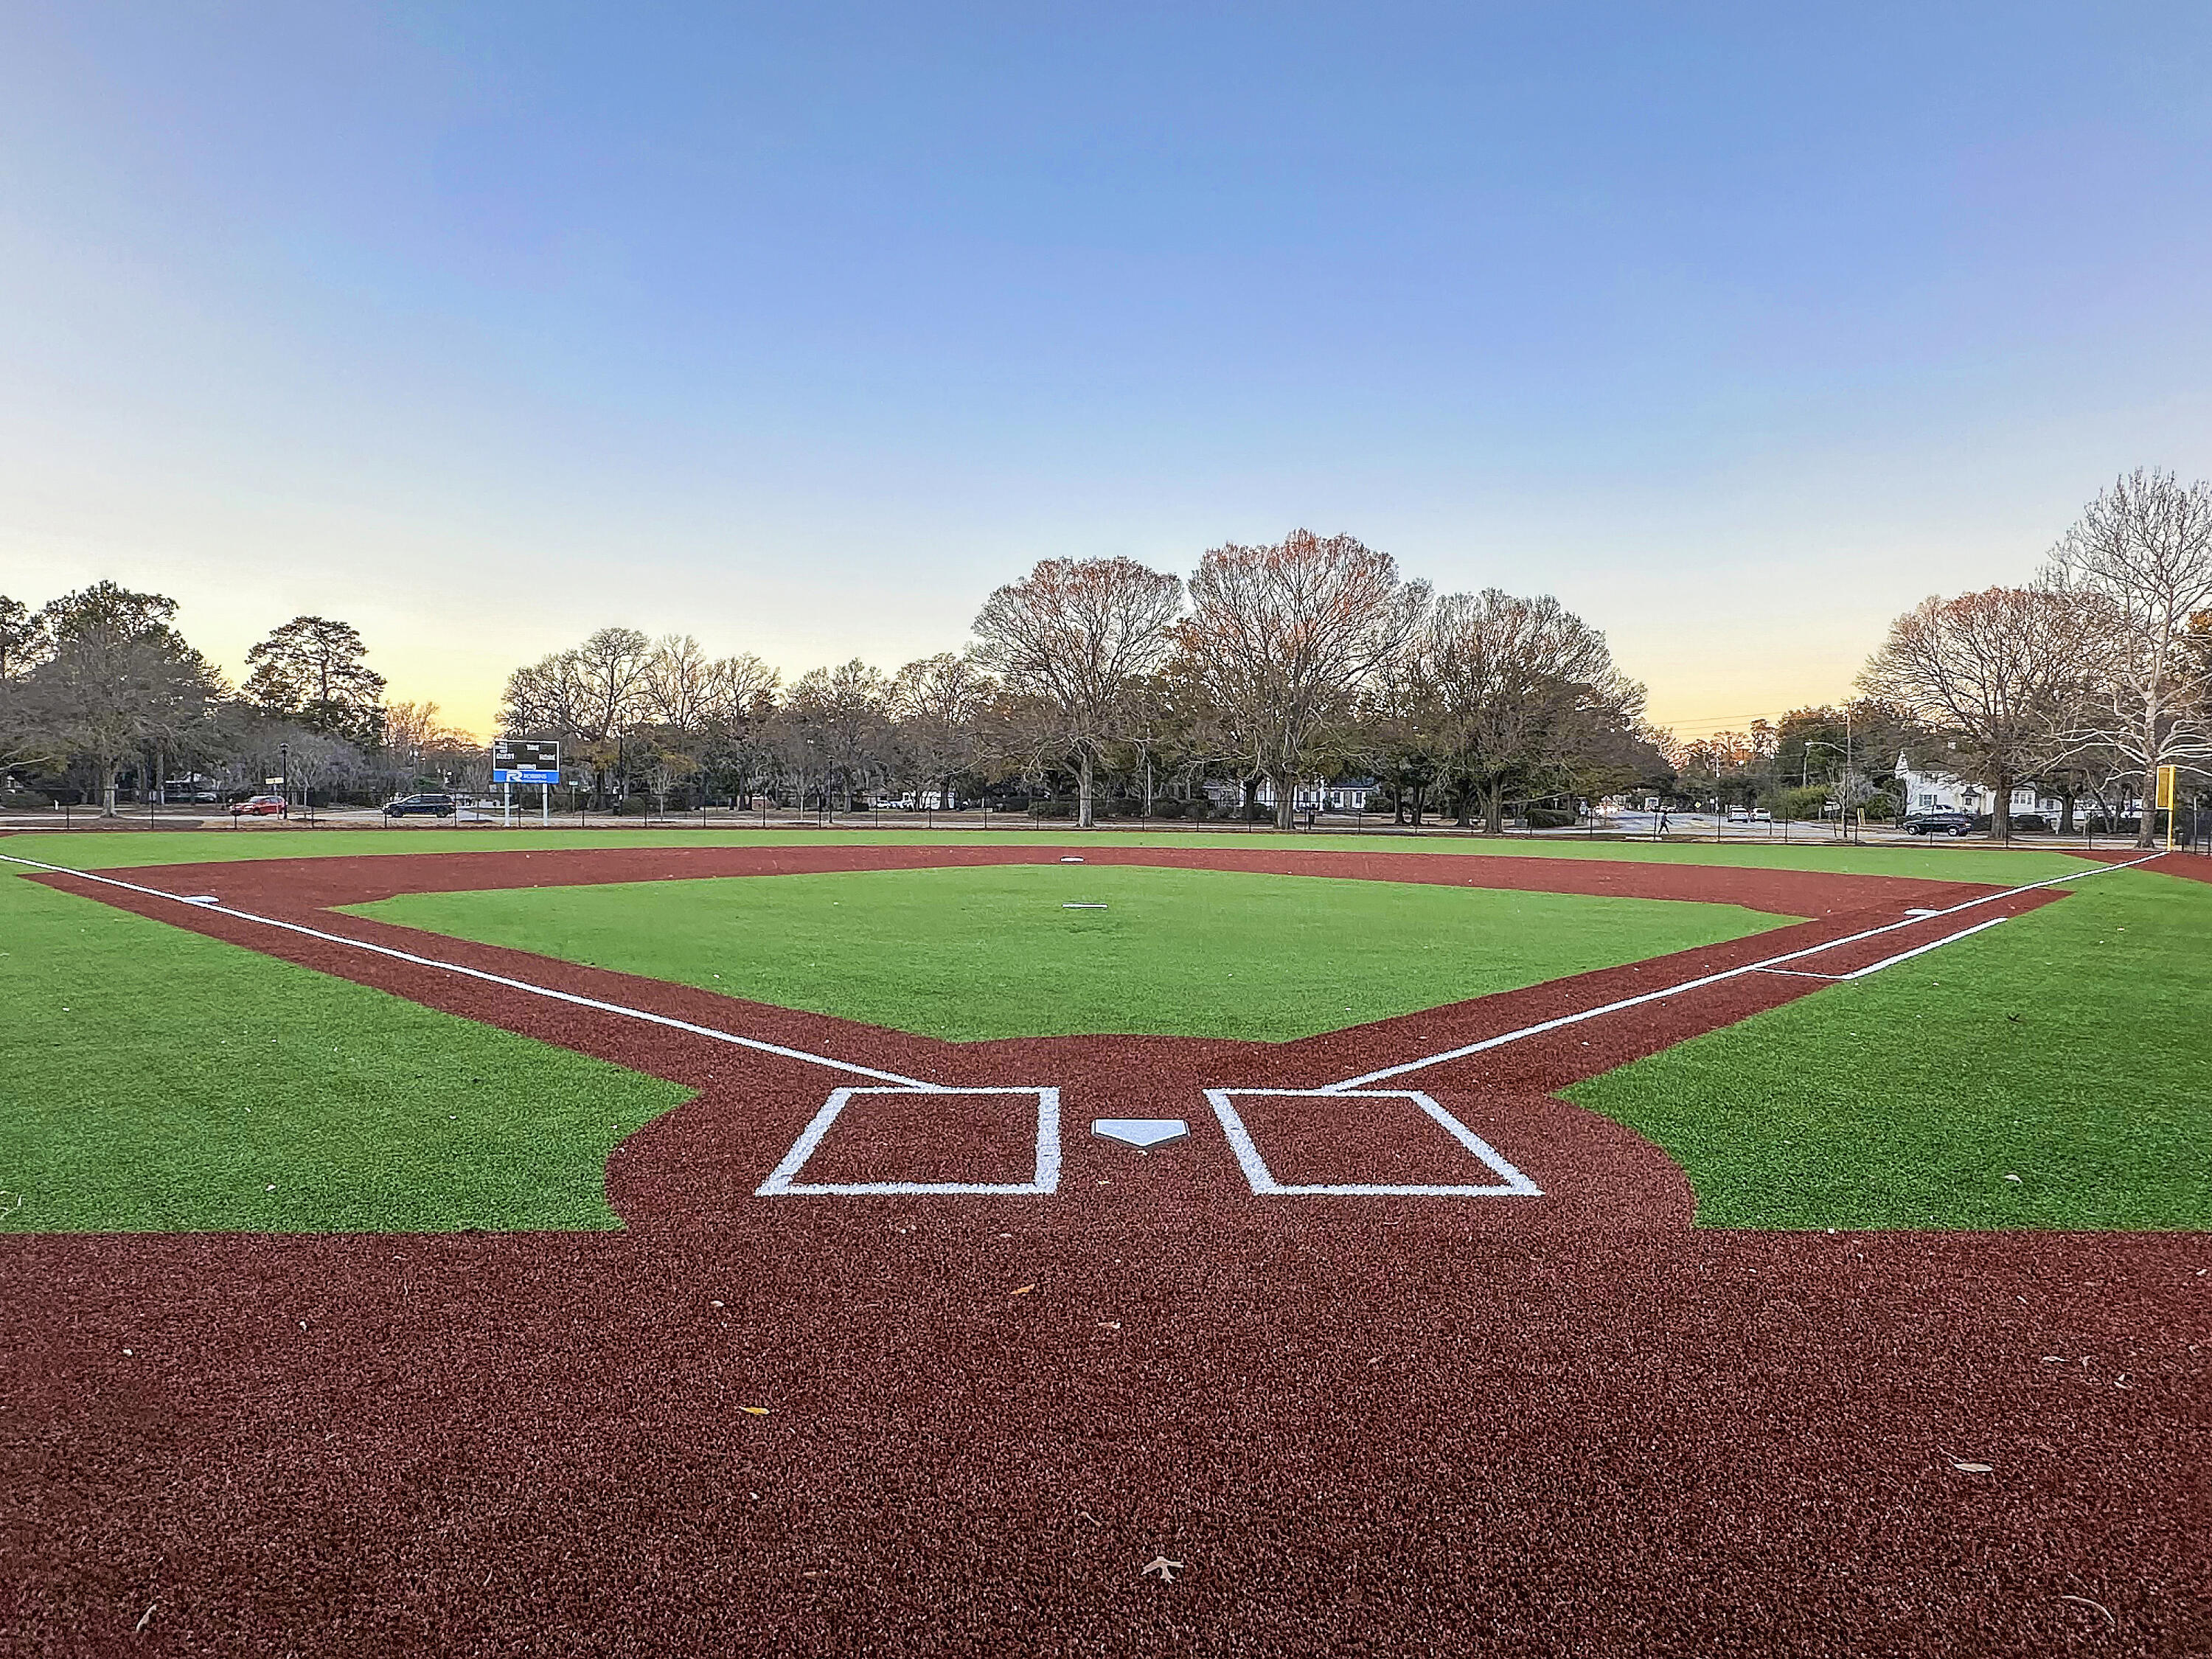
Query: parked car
pixel 1937 823
pixel 261 806
pixel 435 806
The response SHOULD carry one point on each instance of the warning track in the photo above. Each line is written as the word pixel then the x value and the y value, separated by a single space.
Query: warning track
pixel 1555 1424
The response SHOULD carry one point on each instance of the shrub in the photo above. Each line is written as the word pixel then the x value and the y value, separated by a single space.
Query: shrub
pixel 1198 806
pixel 1806 803
pixel 1550 818
pixel 1051 809
pixel 1125 806
pixel 1167 808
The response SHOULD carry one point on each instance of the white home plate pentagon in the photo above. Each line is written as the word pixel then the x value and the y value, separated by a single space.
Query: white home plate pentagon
pixel 1141 1131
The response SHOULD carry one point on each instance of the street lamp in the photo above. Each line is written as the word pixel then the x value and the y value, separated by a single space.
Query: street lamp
pixel 284 774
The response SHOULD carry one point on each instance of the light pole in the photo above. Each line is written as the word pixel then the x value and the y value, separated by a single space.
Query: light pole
pixel 284 774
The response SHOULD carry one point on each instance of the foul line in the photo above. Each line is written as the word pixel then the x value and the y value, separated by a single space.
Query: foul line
pixel 1890 962
pixel 202 904
pixel 1771 965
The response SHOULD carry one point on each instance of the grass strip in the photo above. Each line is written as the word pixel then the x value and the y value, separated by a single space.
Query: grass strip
pixel 153 1079
pixel 2052 1072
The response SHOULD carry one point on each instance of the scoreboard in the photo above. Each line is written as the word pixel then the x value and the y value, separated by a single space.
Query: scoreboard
pixel 525 760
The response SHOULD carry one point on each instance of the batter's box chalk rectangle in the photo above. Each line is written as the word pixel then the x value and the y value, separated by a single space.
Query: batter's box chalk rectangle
pixel 921 1131
pixel 1391 1119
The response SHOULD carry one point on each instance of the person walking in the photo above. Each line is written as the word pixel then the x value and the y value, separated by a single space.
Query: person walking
pixel 1659 828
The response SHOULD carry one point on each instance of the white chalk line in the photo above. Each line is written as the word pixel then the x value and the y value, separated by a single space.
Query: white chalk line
pixel 1510 1183
pixel 206 905
pixel 1891 961
pixel 783 1181
pixel 1770 964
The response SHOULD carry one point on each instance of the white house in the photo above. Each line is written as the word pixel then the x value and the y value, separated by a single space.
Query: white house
pixel 1314 796
pixel 1939 791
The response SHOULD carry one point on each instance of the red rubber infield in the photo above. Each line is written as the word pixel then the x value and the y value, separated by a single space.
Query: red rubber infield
pixel 1565 1423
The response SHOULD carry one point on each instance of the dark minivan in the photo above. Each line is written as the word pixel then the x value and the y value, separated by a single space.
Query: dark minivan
pixel 1937 823
pixel 430 805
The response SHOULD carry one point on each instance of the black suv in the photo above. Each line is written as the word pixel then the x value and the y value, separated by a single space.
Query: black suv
pixel 408 806
pixel 1937 823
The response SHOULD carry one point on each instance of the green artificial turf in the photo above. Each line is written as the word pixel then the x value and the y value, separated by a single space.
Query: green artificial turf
pixel 2070 1048
pixel 1971 860
pixel 153 1079
pixel 969 954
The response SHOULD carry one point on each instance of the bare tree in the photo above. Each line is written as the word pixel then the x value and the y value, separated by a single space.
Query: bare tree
pixel 1522 687
pixel 937 703
pixel 2141 555
pixel 838 722
pixel 611 669
pixel 1992 676
pixel 676 687
pixel 1285 636
pixel 544 699
pixel 1073 637
pixel 741 688
pixel 416 739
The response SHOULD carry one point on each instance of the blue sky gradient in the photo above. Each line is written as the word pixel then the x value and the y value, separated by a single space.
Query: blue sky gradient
pixel 1741 328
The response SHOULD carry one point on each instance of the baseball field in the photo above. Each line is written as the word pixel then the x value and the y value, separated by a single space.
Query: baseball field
pixel 552 1242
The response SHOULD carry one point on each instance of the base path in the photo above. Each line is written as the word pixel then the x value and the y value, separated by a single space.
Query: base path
pixel 1555 1422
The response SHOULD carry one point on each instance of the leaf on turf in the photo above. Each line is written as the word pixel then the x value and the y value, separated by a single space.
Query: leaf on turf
pixel 1973 1468
pixel 1024 1290
pixel 754 1411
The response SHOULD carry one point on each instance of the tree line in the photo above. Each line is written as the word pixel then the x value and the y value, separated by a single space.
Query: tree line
pixel 97 687
pixel 1102 687
pixel 1112 686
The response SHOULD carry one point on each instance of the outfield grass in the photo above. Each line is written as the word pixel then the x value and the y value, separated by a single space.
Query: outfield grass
pixel 972 954
pixel 2071 1048
pixel 153 1079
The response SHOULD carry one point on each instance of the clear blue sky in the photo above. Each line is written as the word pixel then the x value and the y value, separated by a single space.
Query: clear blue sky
pixel 1741 328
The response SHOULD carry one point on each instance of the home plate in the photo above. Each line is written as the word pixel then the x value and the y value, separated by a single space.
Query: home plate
pixel 1141 1131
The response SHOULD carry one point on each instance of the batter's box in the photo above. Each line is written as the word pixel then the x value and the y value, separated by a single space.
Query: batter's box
pixel 938 1138
pixel 1362 1132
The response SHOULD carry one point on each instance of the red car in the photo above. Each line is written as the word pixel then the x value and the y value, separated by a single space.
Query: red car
pixel 261 806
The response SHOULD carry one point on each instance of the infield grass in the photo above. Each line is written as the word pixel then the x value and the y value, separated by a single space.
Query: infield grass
pixel 972 954
pixel 2053 1072
pixel 153 1079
